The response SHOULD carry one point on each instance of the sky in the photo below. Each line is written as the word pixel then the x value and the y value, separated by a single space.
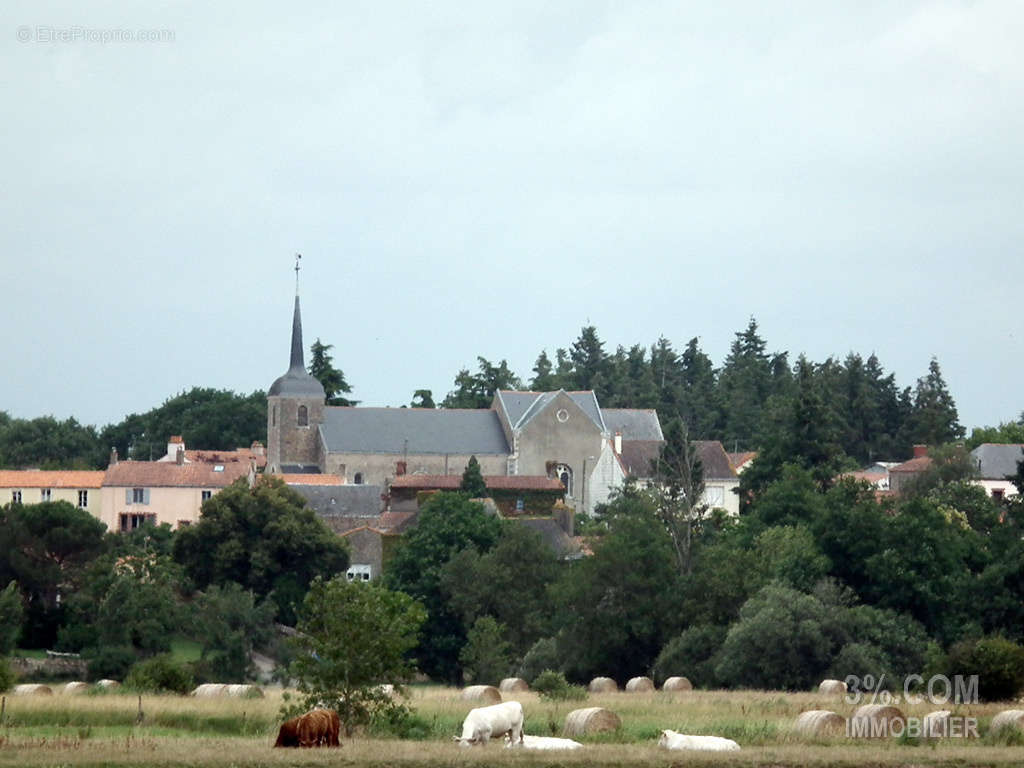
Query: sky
pixel 472 179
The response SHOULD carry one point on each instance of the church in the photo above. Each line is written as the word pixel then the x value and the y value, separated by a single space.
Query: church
pixel 563 435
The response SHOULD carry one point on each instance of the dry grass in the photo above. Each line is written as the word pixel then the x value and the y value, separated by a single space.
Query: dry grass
pixel 183 731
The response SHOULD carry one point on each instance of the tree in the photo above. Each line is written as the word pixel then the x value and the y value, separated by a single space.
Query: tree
pixel 263 538
pixel 448 523
pixel 486 657
pixel 12 614
pixel 352 638
pixel 48 443
pixel 422 398
pixel 679 491
pixel 745 383
pixel 473 481
pixel 230 624
pixel 544 379
pixel 934 419
pixel 590 362
pixel 477 390
pixel 1007 432
pixel 322 369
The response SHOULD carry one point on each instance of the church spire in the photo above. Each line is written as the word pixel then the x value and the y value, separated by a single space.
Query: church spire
pixel 297 360
pixel 296 381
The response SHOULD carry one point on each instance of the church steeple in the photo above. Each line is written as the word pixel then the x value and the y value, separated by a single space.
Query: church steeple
pixel 296 382
pixel 297 361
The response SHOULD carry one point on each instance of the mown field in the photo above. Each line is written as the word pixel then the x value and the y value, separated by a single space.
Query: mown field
pixel 181 731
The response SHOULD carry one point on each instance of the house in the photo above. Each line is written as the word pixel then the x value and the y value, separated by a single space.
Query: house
pixel 137 493
pixel 32 486
pixel 996 462
pixel 562 435
pixel 720 478
pixel 741 460
pixel 902 476
pixel 255 454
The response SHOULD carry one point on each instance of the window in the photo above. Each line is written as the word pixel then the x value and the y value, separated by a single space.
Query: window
pixel 997 495
pixel 358 479
pixel 44 494
pixel 132 520
pixel 520 506
pixel 16 497
pixel 184 523
pixel 714 496
pixel 359 573
pixel 303 418
pixel 273 416
pixel 564 473
pixel 83 499
pixel 137 496
pixel 206 495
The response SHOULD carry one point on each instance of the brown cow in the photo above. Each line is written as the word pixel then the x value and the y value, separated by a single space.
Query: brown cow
pixel 316 728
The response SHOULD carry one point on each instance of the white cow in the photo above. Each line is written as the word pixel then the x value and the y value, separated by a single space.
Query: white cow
pixel 496 720
pixel 543 742
pixel 673 740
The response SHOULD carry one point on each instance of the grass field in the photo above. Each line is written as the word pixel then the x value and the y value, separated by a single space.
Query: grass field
pixel 181 731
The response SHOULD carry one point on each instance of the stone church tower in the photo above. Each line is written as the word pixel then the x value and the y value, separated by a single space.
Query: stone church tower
pixel 295 410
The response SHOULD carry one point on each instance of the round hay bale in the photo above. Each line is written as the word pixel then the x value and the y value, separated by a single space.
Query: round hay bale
pixel 639 685
pixel 513 685
pixel 832 687
pixel 820 722
pixel 107 685
pixel 75 689
pixel 878 720
pixel 482 694
pixel 677 684
pixel 580 722
pixel 603 685
pixel 210 690
pixel 935 725
pixel 1008 718
pixel 32 689
pixel 245 691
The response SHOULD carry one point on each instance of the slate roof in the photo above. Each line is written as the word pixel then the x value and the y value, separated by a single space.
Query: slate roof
pixel 157 474
pixel 296 382
pixel 361 501
pixel 715 460
pixel 995 461
pixel 523 406
pixel 35 478
pixel 633 423
pixel 637 455
pixel 493 482
pixel 427 430
pixel 552 534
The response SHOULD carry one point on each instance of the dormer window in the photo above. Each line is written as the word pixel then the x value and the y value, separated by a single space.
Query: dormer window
pixel 303 417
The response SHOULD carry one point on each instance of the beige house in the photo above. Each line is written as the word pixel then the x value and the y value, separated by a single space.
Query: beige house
pixel 32 486
pixel 137 493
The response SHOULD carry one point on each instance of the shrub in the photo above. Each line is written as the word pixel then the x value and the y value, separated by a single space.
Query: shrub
pixel 111 661
pixel 998 662
pixel 553 686
pixel 160 674
pixel 541 656
pixel 486 656
pixel 693 654
pixel 7 676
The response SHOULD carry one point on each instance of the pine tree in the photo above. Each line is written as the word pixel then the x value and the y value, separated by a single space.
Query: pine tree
pixel 746 382
pixel 543 374
pixel 473 481
pixel 332 379
pixel 590 362
pixel 934 417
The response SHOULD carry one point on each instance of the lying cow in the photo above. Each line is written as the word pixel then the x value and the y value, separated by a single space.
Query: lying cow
pixel 496 720
pixel 672 740
pixel 316 728
pixel 542 742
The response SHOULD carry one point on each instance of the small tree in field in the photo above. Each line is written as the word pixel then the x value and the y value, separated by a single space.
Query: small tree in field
pixel 353 638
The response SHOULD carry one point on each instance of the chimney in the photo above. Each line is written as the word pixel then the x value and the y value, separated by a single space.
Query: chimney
pixel 179 457
pixel 257 448
pixel 113 456
pixel 920 450
pixel 618 443
pixel 174 442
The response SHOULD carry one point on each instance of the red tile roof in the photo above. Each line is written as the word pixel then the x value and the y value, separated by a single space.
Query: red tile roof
pixel 243 455
pixel 35 478
pixel 170 474
pixel 299 478
pixel 493 482
pixel 920 464
pixel 739 459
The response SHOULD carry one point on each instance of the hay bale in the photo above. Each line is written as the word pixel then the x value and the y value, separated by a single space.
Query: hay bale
pixel 832 687
pixel 877 720
pixel 603 685
pixel 677 684
pixel 482 694
pixel 1008 718
pixel 820 722
pixel 74 689
pixel 639 685
pixel 210 690
pixel 107 685
pixel 244 691
pixel 935 725
pixel 513 685
pixel 32 689
pixel 580 722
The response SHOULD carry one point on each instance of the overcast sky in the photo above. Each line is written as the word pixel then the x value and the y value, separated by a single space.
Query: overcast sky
pixel 469 178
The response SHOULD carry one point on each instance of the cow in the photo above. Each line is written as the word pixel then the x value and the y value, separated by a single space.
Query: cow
pixel 672 740
pixel 496 720
pixel 542 743
pixel 316 728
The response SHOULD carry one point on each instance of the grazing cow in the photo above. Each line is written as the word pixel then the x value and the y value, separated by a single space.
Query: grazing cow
pixel 496 720
pixel 543 742
pixel 316 728
pixel 673 740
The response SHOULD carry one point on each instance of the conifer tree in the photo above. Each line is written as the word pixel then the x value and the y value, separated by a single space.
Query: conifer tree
pixel 473 481
pixel 322 369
